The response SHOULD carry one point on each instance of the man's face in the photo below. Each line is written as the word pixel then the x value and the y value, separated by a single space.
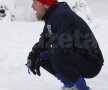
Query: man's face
pixel 39 8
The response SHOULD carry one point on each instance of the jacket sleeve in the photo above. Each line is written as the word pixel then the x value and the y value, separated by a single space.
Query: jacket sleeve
pixel 41 45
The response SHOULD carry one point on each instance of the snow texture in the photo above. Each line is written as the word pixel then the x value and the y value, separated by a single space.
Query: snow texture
pixel 16 40
pixel 22 9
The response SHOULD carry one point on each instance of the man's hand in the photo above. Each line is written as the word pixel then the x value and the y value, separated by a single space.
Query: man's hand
pixel 33 63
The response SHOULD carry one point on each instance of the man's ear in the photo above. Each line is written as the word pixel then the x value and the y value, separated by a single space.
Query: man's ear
pixel 46 6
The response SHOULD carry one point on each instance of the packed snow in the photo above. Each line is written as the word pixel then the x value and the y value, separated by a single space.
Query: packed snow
pixel 17 39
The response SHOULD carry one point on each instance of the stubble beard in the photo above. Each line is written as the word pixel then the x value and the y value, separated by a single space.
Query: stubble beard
pixel 39 18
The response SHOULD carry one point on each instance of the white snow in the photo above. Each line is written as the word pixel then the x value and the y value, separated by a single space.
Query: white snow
pixel 22 11
pixel 16 40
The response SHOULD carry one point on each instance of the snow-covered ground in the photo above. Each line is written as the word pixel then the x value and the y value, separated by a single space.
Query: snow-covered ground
pixel 16 40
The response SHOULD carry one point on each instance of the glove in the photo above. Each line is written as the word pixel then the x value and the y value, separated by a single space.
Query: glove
pixel 33 63
pixel 31 66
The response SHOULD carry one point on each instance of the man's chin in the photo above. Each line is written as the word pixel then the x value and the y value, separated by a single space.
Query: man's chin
pixel 39 18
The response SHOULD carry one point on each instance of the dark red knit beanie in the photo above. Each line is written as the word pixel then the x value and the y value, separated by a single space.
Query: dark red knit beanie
pixel 48 2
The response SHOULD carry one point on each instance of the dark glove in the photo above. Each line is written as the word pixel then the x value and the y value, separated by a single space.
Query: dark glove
pixel 33 63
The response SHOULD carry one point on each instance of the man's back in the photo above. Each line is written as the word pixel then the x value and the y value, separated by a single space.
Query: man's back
pixel 64 20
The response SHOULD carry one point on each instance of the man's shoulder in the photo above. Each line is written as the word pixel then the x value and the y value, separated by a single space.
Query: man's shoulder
pixel 62 10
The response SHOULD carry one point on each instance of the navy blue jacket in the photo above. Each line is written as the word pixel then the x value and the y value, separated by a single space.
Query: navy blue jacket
pixel 66 32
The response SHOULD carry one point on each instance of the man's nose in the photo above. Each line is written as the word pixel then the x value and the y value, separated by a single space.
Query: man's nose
pixel 32 5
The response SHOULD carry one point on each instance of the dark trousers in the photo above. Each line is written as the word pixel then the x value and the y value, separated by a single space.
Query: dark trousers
pixel 72 66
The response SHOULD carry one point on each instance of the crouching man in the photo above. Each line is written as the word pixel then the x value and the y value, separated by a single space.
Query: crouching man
pixel 67 47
